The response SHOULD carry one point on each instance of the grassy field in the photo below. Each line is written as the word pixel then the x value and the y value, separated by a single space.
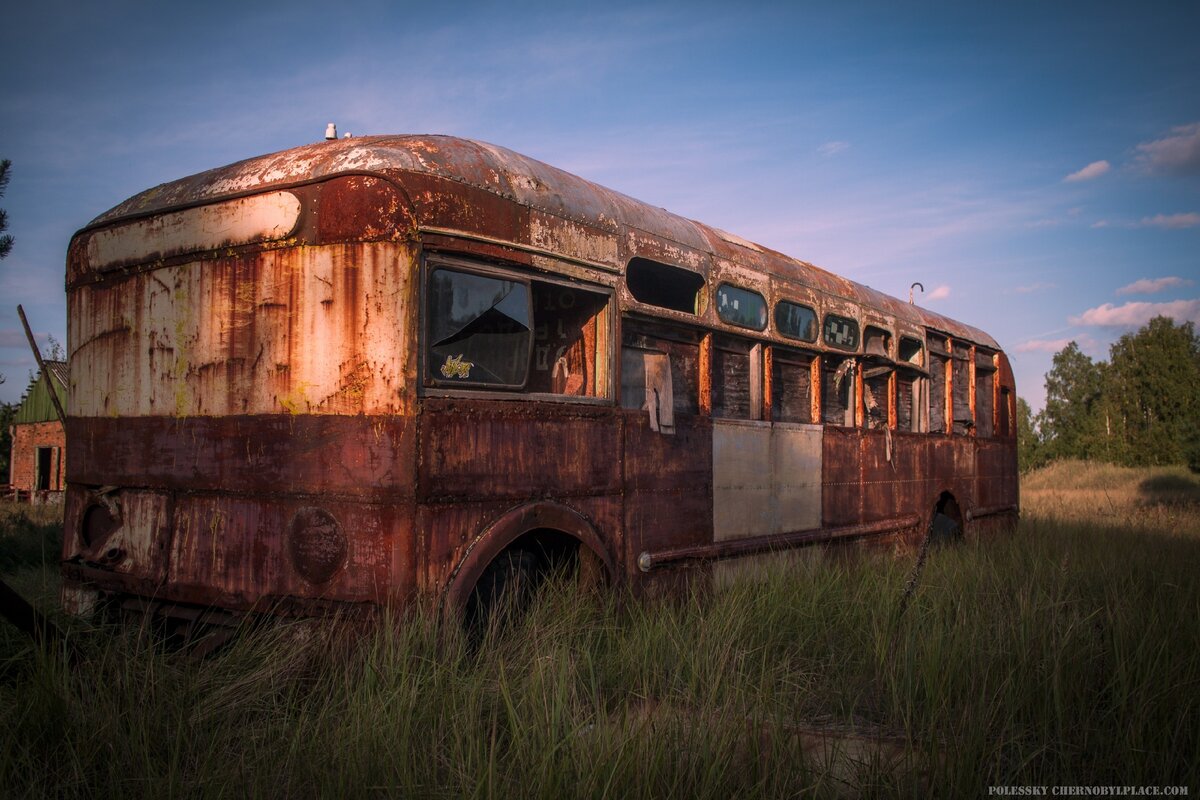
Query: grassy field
pixel 1064 653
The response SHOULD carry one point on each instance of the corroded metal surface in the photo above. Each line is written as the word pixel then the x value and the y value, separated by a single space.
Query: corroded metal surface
pixel 462 184
pixel 249 427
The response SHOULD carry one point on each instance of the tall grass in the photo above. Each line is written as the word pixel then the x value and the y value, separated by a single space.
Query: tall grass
pixel 1066 652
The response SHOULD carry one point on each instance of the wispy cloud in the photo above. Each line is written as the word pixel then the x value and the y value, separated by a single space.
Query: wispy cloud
pixel 939 293
pixel 1173 221
pixel 1168 221
pixel 1136 314
pixel 1034 287
pixel 1085 342
pixel 16 338
pixel 1092 170
pixel 1154 285
pixel 1175 154
pixel 833 148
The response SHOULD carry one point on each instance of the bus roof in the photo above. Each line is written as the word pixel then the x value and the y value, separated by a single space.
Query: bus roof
pixel 523 180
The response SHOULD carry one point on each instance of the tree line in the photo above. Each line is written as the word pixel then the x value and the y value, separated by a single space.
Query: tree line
pixel 1139 408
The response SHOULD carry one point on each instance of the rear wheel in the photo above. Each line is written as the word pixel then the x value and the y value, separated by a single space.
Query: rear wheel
pixel 504 591
pixel 946 525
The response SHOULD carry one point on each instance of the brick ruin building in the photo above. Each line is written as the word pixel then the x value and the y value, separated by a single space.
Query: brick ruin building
pixel 38 462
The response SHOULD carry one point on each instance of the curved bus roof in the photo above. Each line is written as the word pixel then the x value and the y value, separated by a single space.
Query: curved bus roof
pixel 523 180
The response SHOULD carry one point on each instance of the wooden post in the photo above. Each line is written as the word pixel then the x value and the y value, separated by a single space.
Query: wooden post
pixel 37 354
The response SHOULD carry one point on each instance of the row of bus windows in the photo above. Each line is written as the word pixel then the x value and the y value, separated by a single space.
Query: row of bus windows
pixel 753 381
pixel 665 286
pixel 490 329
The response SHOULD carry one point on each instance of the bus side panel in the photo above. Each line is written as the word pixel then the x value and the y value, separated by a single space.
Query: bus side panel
pixel 239 551
pixel 952 461
pixel 996 479
pixel 896 487
pixel 480 459
pixel 668 485
pixel 235 510
pixel 484 449
pixel 363 456
pixel 842 494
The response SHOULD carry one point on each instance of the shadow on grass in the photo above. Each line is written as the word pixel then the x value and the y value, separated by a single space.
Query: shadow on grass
pixel 1170 488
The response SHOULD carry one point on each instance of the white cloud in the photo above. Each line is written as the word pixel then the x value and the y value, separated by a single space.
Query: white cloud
pixel 1174 221
pixel 1092 170
pixel 1153 285
pixel 1176 154
pixel 939 293
pixel 1102 223
pixel 833 148
pixel 1136 314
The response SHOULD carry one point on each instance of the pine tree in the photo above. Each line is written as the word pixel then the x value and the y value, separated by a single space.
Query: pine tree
pixel 6 241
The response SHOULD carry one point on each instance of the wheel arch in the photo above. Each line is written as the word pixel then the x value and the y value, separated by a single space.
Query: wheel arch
pixel 531 518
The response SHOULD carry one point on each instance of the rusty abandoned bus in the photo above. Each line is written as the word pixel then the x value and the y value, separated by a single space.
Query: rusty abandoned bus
pixel 375 370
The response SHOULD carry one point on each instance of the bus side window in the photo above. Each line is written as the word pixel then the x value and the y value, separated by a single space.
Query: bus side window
pixel 837 390
pixel 570 338
pixel 736 379
pixel 938 363
pixel 791 386
pixel 985 382
pixel 961 389
pixel 912 387
pixel 876 397
pixel 678 352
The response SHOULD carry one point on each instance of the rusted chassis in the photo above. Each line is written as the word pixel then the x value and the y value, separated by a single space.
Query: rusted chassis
pixel 249 429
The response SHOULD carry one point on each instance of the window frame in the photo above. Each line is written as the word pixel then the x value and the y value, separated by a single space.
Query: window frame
pixel 766 317
pixel 466 263
pixel 841 348
pixel 779 328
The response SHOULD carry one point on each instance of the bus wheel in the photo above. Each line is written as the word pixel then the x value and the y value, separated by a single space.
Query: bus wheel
pixel 504 591
pixel 946 526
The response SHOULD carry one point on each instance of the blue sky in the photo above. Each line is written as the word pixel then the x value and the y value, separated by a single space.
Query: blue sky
pixel 1035 165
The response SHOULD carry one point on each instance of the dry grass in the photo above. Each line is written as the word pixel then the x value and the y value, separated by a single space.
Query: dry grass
pixel 1162 500
pixel 1064 653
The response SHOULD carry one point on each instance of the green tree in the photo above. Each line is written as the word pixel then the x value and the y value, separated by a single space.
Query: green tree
pixel 6 241
pixel 1068 425
pixel 1031 453
pixel 1152 394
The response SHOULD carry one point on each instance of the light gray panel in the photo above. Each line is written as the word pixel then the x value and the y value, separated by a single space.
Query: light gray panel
pixel 766 478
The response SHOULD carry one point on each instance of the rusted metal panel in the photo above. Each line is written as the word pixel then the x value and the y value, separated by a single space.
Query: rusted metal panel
pixel 256 388
pixel 244 220
pixel 246 552
pixel 476 449
pixel 368 457
pixel 841 499
pixel 667 484
pixel 467 171
pixel 766 479
pixel 361 208
pixel 312 330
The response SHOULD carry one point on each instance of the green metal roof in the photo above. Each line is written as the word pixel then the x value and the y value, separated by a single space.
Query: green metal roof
pixel 37 406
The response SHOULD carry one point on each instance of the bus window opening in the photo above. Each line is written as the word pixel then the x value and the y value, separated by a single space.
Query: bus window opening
pixel 479 330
